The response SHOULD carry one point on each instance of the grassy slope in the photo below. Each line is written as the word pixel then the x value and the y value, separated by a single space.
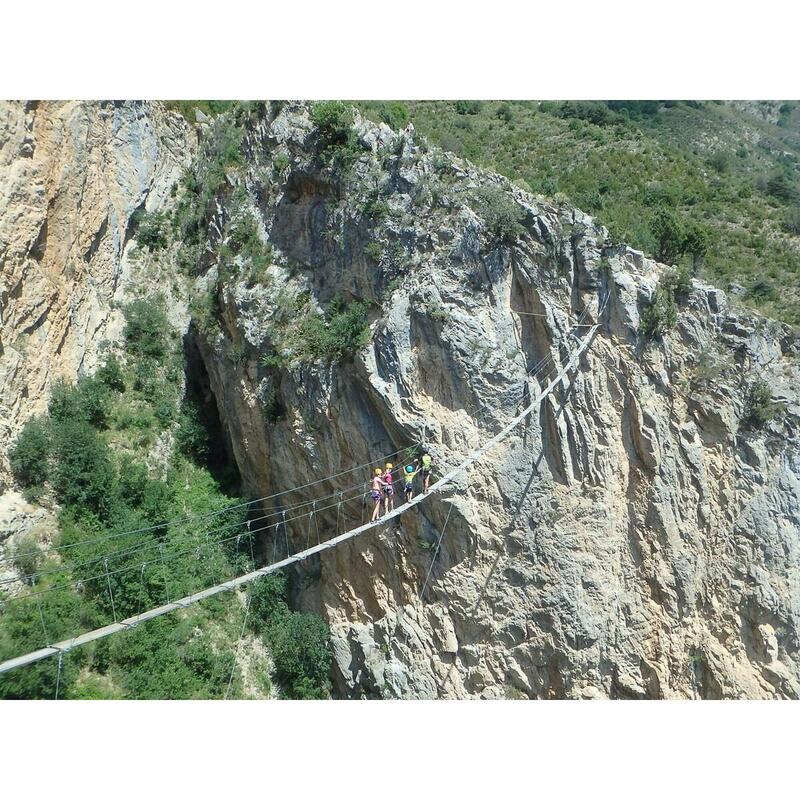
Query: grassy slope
pixel 710 163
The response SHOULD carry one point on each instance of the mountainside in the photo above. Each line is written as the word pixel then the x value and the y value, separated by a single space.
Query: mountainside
pixel 71 175
pixel 726 171
pixel 345 291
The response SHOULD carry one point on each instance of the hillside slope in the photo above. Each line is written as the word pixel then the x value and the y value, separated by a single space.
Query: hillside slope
pixel 731 168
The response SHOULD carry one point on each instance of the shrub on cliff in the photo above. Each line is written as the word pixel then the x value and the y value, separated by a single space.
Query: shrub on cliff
pixel 83 475
pixel 299 645
pixel 759 407
pixel 110 374
pixel 394 114
pixel 340 337
pixel 668 232
pixel 502 215
pixel 29 456
pixel 338 142
pixel 152 229
pixel 146 328
pixel 88 401
pixel 660 315
pixel 468 106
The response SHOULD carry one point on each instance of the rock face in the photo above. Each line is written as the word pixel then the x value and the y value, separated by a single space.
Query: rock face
pixel 71 176
pixel 634 540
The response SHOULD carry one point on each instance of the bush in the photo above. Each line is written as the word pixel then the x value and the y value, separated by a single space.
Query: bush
pixel 781 187
pixel 759 408
pixel 152 229
pixel 29 456
pixel 110 374
pixel 762 290
pixel 720 161
pixel 375 209
pixel 660 315
pixel 595 112
pixel 272 406
pixel 678 283
pixel 21 631
pixel 244 239
pixel 669 234
pixel 334 121
pixel 394 114
pixel 695 242
pixel 191 436
pixel 299 645
pixel 340 338
pixel 146 328
pixel 504 112
pixel 267 600
pixel 83 475
pixel 468 106
pixel 791 221
pixel 502 215
pixel 88 401
pixel 373 251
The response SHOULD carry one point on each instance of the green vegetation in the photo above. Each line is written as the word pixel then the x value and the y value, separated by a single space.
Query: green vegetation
pixel 339 337
pixel 704 182
pixel 151 229
pixel 29 456
pixel 394 114
pixel 339 145
pixel 244 242
pixel 298 642
pixel 146 328
pixel 91 452
pixel 759 407
pixel 502 215
pixel 272 406
pixel 661 313
pixel 187 108
pixel 468 106
pixel 373 251
pixel 207 180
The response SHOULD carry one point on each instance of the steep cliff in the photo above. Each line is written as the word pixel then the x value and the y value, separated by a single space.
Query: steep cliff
pixel 72 174
pixel 637 540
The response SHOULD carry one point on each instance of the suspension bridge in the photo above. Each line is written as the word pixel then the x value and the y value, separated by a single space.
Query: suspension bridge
pixel 62 647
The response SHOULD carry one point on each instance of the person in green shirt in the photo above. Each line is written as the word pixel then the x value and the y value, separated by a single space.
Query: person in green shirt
pixel 427 469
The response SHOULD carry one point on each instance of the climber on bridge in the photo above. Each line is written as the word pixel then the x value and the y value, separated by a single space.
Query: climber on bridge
pixel 427 469
pixel 378 486
pixel 388 488
pixel 408 481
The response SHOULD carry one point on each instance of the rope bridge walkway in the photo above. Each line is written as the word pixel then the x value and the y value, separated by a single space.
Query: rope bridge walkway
pixel 62 647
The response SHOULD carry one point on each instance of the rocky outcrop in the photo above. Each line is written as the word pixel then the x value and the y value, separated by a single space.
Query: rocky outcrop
pixel 633 541
pixel 71 176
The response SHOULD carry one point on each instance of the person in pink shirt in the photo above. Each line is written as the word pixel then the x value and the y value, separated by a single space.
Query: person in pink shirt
pixel 388 489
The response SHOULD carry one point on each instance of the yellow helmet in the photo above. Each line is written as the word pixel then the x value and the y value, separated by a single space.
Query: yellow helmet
pixel 378 471
pixel 389 466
